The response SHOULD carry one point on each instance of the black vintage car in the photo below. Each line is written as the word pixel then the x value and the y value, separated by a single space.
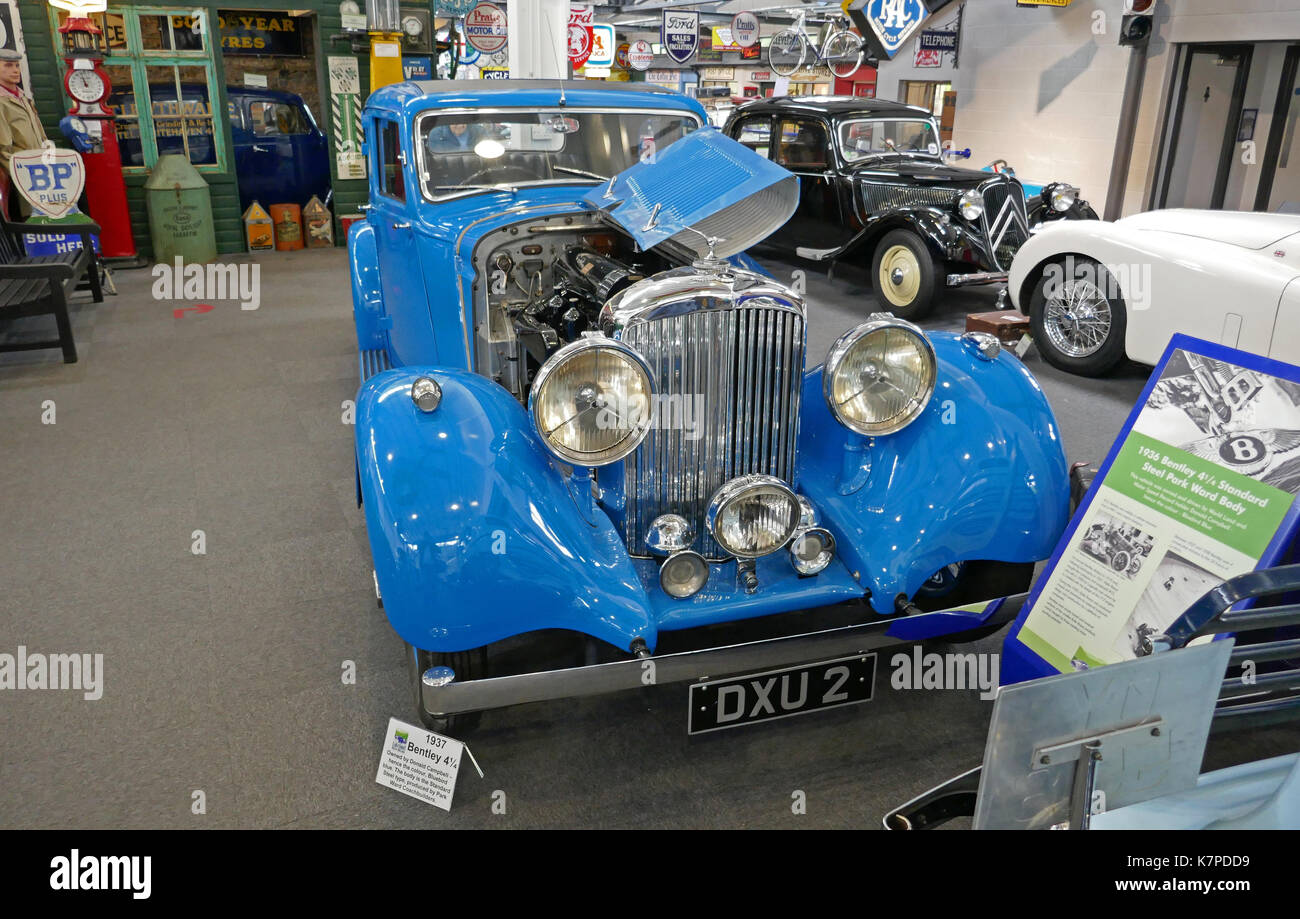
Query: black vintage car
pixel 875 190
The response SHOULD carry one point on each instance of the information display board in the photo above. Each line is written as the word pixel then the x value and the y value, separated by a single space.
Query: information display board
pixel 1200 486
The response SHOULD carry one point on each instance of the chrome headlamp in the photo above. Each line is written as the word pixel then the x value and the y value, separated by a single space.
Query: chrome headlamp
pixel 879 377
pixel 1061 197
pixel 590 402
pixel 753 515
pixel 970 205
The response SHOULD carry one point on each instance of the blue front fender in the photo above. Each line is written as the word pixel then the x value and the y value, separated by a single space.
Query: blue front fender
pixel 980 475
pixel 475 534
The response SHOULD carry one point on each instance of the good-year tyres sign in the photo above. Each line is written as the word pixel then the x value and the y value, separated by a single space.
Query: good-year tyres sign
pixel 50 180
pixel 1200 487
pixel 681 34
pixel 485 28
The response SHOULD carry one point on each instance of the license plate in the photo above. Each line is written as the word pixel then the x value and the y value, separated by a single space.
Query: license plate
pixel 735 701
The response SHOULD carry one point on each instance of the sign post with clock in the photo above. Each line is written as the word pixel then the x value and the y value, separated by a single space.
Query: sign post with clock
pixel 90 127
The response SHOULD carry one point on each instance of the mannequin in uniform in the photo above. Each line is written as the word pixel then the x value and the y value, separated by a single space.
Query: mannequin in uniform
pixel 20 126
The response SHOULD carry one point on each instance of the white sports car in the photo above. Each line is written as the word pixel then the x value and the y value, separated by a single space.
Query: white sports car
pixel 1096 291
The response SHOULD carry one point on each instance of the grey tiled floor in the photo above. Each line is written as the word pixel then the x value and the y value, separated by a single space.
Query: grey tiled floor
pixel 223 670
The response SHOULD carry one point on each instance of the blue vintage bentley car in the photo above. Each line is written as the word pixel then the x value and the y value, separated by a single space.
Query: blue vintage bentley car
pixel 585 411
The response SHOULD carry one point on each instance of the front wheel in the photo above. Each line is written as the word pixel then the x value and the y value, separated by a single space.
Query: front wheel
pixel 905 274
pixel 843 54
pixel 467 665
pixel 786 52
pixel 1078 317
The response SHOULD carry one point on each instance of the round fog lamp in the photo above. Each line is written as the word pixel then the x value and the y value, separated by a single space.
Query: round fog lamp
pixel 879 377
pixel 812 550
pixel 683 574
pixel 590 402
pixel 970 205
pixel 753 515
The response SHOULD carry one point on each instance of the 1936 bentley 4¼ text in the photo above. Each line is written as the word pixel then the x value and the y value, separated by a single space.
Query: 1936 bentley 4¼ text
pixel 585 409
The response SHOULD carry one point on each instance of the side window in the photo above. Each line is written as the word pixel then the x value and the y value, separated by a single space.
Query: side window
pixel 801 144
pixel 272 119
pixel 756 134
pixel 391 181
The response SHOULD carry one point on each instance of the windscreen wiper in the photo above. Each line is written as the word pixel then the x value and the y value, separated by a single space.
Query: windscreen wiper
pixel 510 188
pixel 580 172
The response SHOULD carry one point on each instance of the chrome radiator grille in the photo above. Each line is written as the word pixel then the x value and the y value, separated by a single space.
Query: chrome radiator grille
pixel 1006 224
pixel 733 377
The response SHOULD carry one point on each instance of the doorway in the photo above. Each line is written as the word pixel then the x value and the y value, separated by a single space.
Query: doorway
pixel 1204 130
pixel 1279 181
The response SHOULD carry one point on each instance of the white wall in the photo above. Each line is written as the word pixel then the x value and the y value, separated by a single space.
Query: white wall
pixel 1038 88
pixel 1041 89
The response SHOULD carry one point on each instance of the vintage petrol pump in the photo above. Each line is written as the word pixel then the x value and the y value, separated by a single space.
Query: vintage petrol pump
pixel 88 87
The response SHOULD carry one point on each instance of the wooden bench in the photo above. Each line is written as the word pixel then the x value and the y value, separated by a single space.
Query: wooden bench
pixel 40 285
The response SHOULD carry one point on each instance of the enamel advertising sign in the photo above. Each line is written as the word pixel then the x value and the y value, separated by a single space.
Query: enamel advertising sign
pixel 580 38
pixel 50 180
pixel 485 28
pixel 886 24
pixel 745 29
pixel 640 55
pixel 681 34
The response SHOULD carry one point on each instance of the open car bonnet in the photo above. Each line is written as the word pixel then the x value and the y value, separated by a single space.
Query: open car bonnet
pixel 704 185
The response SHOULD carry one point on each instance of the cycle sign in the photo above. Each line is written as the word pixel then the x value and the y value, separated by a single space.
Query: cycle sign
pixel 640 55
pixel 744 29
pixel 681 34
pixel 485 28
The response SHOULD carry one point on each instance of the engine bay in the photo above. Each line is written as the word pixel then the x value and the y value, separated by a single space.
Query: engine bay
pixel 541 284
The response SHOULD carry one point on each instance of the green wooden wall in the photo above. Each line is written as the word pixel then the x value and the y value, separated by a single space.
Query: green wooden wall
pixel 46 68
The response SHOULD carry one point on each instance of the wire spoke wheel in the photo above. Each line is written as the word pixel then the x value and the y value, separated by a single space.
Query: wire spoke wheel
pixel 786 52
pixel 843 53
pixel 1077 319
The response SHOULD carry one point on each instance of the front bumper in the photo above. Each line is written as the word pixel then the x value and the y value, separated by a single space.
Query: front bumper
pixel 440 699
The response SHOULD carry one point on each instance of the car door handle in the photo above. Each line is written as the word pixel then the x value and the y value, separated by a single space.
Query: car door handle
pixel 258 148
pixel 364 207
pixel 401 226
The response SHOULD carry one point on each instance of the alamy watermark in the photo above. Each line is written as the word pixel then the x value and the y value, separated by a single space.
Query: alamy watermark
pixel 663 412
pixel 213 281
pixel 79 672
pixel 1076 280
pixel 930 670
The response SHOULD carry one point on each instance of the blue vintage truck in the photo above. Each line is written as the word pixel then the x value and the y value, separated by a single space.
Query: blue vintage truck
pixel 583 409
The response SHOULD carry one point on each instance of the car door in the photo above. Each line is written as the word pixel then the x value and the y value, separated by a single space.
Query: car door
pixel 270 156
pixel 391 207
pixel 802 145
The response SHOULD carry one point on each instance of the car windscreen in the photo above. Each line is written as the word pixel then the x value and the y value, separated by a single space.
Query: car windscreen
pixel 466 152
pixel 864 137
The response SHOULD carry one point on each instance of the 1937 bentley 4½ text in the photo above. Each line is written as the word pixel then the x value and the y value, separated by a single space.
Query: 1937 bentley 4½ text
pixel 585 409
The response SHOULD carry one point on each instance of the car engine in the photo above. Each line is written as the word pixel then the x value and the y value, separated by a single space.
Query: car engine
pixel 541 285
